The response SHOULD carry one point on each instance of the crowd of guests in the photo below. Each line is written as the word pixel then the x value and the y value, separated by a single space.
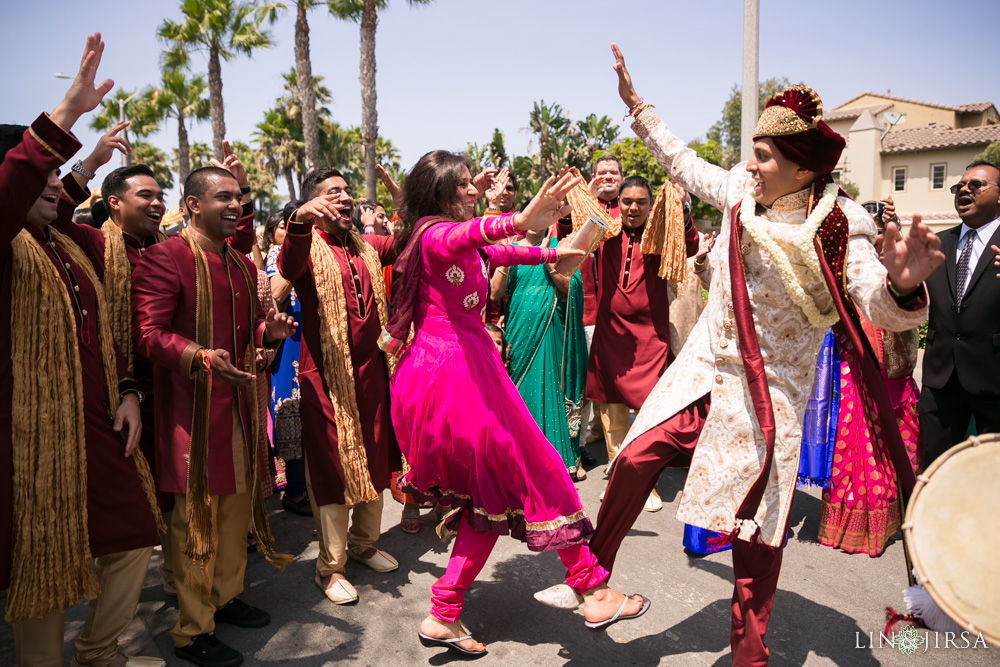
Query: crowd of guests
pixel 320 353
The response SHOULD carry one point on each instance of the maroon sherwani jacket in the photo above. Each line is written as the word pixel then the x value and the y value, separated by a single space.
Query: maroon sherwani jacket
pixel 371 377
pixel 118 515
pixel 92 242
pixel 164 304
pixel 631 346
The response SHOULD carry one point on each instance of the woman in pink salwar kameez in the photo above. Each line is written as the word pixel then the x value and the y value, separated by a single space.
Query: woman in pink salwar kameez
pixel 468 438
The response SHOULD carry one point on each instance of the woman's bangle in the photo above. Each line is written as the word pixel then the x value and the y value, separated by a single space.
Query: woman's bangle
pixel 504 271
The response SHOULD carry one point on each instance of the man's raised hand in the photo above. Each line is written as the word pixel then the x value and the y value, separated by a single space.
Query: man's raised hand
pixel 232 164
pixel 910 260
pixel 105 148
pixel 625 88
pixel 395 191
pixel 83 95
pixel 324 206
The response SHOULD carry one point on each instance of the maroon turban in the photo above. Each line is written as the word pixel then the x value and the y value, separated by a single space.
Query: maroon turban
pixel 792 119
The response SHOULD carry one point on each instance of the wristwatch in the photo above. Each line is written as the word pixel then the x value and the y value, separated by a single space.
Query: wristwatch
pixel 83 171
pixel 138 394
pixel 245 190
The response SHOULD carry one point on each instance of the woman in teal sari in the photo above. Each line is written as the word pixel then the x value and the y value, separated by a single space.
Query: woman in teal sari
pixel 548 348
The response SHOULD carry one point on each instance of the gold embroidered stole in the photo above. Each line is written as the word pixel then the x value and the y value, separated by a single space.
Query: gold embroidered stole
pixel 51 559
pixel 118 286
pixel 199 547
pixel 338 370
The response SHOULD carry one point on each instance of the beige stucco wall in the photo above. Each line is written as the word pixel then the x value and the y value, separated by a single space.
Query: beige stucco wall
pixel 939 205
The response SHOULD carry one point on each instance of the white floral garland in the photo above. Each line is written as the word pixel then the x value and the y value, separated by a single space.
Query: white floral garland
pixel 748 215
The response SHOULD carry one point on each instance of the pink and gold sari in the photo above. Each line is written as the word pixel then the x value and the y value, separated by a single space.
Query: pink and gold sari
pixel 861 508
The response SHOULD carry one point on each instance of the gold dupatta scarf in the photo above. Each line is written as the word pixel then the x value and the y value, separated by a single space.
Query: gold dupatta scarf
pixel 118 286
pixel 338 371
pixel 664 234
pixel 51 559
pixel 198 546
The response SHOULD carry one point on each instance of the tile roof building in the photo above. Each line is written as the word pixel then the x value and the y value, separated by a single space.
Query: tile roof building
pixel 911 150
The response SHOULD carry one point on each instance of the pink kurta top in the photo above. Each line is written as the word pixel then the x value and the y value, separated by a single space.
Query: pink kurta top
pixel 466 433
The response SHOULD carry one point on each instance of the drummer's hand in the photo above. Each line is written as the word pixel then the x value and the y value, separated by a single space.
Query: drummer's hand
pixel 625 88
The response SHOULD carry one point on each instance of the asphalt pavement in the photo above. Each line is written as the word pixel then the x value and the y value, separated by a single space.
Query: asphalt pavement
pixel 829 609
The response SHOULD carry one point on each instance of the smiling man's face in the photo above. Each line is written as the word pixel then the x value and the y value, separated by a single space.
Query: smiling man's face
pixel 140 208
pixel 46 208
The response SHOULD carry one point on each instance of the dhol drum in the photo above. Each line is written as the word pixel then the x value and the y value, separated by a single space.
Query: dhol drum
pixel 950 535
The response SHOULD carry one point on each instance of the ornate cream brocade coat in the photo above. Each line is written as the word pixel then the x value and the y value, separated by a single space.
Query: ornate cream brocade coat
pixel 731 448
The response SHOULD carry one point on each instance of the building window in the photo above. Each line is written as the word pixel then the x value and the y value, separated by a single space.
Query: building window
pixel 938 176
pixel 899 179
pixel 835 174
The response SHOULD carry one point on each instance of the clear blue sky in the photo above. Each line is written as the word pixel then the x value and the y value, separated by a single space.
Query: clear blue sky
pixel 450 72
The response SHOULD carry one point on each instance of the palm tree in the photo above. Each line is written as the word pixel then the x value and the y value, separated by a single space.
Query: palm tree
pixel 136 109
pixel 365 12
pixel 201 155
pixel 307 94
pixel 292 104
pixel 155 159
pixel 258 177
pixel 275 136
pixel 182 99
pixel 223 29
pixel 598 133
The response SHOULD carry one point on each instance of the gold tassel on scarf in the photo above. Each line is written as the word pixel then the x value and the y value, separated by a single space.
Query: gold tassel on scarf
pixel 664 235
pixel 51 559
pixel 584 205
pixel 118 286
pixel 338 371
pixel 198 546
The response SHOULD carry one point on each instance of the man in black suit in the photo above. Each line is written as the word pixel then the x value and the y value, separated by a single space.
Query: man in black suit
pixel 961 373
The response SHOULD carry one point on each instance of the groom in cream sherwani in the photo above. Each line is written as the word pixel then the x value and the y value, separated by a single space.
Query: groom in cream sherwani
pixel 794 257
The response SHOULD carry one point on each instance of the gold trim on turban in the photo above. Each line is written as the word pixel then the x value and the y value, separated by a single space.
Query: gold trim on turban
pixel 778 120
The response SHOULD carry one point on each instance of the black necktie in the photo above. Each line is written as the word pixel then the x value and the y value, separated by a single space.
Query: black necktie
pixel 963 267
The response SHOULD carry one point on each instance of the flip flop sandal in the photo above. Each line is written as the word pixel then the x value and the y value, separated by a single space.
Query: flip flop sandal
pixel 411 517
pixel 601 626
pixel 451 644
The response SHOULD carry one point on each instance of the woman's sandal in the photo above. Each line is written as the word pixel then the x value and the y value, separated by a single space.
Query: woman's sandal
pixel 451 644
pixel 601 626
pixel 410 521
pixel 580 474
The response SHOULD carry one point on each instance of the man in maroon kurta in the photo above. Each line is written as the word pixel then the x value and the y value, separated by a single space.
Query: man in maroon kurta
pixel 120 526
pixel 631 345
pixel 134 201
pixel 330 211
pixel 165 301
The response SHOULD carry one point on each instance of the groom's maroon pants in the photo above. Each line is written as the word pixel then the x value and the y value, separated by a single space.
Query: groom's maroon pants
pixel 634 476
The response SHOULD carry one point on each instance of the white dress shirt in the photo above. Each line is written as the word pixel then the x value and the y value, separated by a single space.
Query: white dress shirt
pixel 983 236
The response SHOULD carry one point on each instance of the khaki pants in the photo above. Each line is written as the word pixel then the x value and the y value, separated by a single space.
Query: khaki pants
pixel 223 574
pixel 334 537
pixel 167 566
pixel 614 420
pixel 38 642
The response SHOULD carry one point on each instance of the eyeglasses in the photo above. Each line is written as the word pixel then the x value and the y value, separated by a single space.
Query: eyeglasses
pixel 974 186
